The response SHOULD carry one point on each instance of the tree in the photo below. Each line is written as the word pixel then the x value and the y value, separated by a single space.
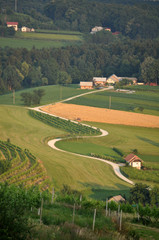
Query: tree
pixel 13 220
pixel 12 77
pixel 140 194
pixel 146 69
pixel 32 98
pixel 154 194
pixel 64 78
pixel 26 98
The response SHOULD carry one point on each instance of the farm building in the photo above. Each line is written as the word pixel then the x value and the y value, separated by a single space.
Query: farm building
pixel 99 81
pixel 13 24
pixel 113 79
pixel 26 29
pixel 108 29
pixel 86 85
pixel 134 161
pixel 117 199
pixel 96 29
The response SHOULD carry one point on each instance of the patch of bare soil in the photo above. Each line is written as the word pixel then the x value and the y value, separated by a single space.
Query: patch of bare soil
pixel 94 114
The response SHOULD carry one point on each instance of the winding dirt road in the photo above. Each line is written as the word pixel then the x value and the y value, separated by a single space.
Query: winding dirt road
pixel 52 143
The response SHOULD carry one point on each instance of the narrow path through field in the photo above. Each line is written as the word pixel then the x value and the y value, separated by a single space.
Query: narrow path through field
pixel 52 143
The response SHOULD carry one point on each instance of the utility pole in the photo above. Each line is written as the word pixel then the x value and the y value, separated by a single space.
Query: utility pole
pixel 16 5
pixel 109 102
pixel 13 96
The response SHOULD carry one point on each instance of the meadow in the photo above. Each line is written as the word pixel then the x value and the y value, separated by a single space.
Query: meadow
pixel 142 101
pixel 80 173
pixel 41 40
pixel 126 139
pixel 53 93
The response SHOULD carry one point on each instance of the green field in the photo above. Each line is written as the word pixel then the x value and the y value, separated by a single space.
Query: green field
pixel 125 138
pixel 53 93
pixel 148 100
pixel 83 174
pixel 49 36
pixel 41 40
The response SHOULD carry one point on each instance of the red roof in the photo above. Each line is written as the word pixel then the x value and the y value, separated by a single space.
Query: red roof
pixel 116 33
pixel 12 23
pixel 132 157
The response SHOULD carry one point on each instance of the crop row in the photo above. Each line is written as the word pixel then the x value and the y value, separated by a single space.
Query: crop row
pixel 67 125
pixel 24 169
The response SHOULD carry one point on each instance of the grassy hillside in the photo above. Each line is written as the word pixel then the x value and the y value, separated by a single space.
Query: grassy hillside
pixel 53 93
pixel 42 39
pixel 147 100
pixel 80 173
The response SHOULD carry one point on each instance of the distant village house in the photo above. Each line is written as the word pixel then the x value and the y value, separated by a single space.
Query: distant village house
pixel 26 29
pixel 96 29
pixel 113 79
pixel 13 24
pixel 86 85
pixel 99 81
pixel 134 161
pixel 108 29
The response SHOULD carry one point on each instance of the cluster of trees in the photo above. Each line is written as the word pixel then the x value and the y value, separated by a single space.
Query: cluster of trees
pixel 32 98
pixel 15 203
pixel 141 193
pixel 6 32
pixel 135 21
pixel 21 68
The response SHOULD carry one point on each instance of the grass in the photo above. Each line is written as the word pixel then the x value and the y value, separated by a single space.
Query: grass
pixel 53 93
pixel 58 32
pixel 63 168
pixel 125 138
pixel 80 146
pixel 49 36
pixel 37 43
pixel 41 40
pixel 147 100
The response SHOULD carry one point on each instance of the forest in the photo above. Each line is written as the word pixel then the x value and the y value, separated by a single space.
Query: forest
pixel 132 53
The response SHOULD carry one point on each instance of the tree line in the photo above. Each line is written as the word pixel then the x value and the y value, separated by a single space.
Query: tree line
pixel 22 68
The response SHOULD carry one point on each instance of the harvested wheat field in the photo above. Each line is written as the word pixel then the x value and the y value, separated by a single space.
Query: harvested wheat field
pixel 93 114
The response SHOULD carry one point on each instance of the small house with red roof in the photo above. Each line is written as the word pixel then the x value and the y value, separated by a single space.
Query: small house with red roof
pixel 13 24
pixel 134 161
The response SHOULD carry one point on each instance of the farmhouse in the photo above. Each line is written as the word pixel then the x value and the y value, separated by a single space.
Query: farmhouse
pixel 108 29
pixel 134 161
pixel 99 81
pixel 96 29
pixel 86 85
pixel 117 199
pixel 13 24
pixel 26 29
pixel 113 79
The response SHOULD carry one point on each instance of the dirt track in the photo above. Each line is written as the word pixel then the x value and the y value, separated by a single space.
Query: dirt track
pixel 93 114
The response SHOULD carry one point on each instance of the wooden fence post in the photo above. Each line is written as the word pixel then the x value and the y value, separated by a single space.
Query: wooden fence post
pixel 73 219
pixel 80 199
pixel 41 209
pixel 120 223
pixel 94 219
pixel 106 208
pixel 53 193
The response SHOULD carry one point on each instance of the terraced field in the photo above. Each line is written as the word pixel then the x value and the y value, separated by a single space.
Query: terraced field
pixel 21 167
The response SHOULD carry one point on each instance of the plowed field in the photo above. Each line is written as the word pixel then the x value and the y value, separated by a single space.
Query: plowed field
pixel 93 114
